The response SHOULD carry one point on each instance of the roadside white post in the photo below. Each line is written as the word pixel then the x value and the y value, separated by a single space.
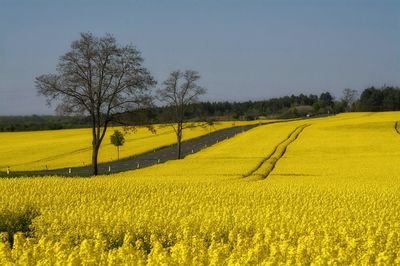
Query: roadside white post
pixel 69 170
pixel 8 170
pixel 137 165
pixel 158 161
pixel 109 168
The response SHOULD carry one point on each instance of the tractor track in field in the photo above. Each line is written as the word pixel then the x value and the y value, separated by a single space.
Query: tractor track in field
pixel 277 153
pixel 160 155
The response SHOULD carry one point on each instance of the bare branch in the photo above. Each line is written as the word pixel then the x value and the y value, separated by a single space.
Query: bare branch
pixel 100 77
pixel 179 90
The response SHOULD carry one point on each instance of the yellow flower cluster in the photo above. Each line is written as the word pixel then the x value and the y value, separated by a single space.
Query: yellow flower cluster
pixel 42 150
pixel 332 198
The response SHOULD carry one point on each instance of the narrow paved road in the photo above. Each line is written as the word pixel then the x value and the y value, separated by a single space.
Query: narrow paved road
pixel 147 159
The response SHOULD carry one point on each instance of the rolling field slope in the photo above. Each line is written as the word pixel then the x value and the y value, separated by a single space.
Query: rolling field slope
pixel 39 150
pixel 322 191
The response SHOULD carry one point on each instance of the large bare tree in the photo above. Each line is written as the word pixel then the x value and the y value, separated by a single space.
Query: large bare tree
pixel 100 78
pixel 179 90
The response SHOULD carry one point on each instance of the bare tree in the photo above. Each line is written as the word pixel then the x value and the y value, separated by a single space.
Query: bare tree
pixel 179 90
pixel 100 78
pixel 349 97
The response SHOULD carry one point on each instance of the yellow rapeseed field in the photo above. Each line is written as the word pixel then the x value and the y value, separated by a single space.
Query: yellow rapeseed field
pixel 55 149
pixel 321 191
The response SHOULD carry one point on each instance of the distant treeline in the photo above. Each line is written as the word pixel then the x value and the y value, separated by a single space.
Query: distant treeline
pixel 371 99
pixel 382 99
pixel 42 122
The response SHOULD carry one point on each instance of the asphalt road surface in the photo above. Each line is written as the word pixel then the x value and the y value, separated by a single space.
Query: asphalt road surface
pixel 147 159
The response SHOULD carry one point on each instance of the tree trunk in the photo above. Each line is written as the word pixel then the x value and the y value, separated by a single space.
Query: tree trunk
pixel 179 140
pixel 95 154
pixel 98 136
pixel 179 148
pixel 118 151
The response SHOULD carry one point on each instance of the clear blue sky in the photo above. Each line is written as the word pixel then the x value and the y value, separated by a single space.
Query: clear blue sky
pixel 244 50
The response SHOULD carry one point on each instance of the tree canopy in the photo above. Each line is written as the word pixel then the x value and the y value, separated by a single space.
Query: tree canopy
pixel 100 78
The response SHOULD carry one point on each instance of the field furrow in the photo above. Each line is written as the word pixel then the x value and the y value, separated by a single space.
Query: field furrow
pixel 333 198
pixel 265 167
pixel 396 127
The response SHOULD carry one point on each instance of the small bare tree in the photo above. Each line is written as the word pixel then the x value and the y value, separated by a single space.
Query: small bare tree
pixel 100 78
pixel 179 90
pixel 349 97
